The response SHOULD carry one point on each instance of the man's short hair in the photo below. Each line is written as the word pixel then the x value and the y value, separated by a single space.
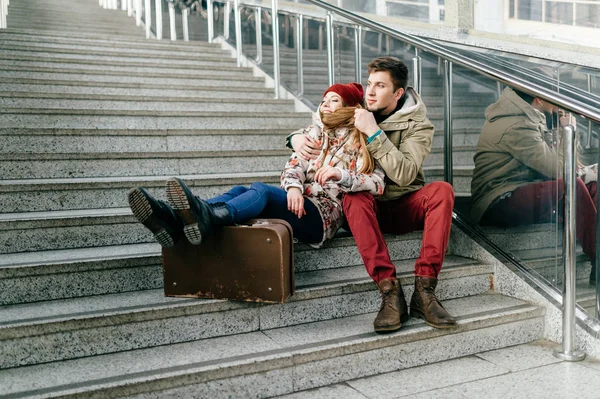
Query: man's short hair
pixel 524 96
pixel 397 69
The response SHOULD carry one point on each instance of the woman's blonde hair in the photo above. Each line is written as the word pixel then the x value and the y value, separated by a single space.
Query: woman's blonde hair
pixel 344 118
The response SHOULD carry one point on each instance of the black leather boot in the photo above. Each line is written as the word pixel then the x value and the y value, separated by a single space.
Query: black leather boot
pixel 424 304
pixel 199 218
pixel 156 215
pixel 593 273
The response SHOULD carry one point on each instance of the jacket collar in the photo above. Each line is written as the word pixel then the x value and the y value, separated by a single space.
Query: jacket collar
pixel 511 104
pixel 413 109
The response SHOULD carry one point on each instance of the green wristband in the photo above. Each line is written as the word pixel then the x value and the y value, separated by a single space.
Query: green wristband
pixel 371 138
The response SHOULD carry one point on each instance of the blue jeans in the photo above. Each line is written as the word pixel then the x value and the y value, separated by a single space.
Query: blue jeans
pixel 266 201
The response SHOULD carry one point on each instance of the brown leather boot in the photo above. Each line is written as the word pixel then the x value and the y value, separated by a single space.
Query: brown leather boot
pixel 393 309
pixel 424 304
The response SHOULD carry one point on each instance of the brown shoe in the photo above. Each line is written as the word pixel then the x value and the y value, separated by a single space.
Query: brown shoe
pixel 393 309
pixel 424 304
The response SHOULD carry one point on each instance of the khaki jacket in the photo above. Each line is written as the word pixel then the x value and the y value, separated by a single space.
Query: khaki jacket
pixel 514 150
pixel 402 148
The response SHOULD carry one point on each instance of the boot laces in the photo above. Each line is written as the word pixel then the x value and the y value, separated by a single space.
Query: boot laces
pixel 387 298
pixel 430 293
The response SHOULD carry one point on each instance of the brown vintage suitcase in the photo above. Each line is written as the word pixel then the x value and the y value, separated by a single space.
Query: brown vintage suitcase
pixel 250 262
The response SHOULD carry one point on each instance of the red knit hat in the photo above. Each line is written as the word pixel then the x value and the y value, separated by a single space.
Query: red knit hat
pixel 351 93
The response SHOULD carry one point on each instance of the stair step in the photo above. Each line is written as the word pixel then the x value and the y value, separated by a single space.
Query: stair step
pixel 29 195
pixel 160 107
pixel 116 42
pixel 50 166
pixel 121 79
pixel 291 358
pixel 128 52
pixel 125 57
pixel 96 140
pixel 74 119
pixel 139 95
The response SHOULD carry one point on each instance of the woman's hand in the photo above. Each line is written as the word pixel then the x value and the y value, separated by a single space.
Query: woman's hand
pixel 295 201
pixel 327 173
pixel 305 146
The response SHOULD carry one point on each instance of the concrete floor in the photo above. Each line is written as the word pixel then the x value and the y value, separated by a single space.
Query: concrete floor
pixel 525 371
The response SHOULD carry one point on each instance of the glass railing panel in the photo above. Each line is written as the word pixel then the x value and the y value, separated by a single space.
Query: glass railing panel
pixel 249 18
pixel 198 23
pixel 515 196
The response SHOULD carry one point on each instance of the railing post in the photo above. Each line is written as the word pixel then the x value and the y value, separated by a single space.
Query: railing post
pixel 299 37
pixel 417 71
pixel 211 20
pixel 358 53
pixel 238 31
pixel 330 48
pixel 448 175
pixel 3 12
pixel 569 351
pixel 258 23
pixel 147 18
pixel 172 27
pixel 226 13
pixel 159 20
pixel 184 21
pixel 588 143
pixel 275 29
pixel 138 12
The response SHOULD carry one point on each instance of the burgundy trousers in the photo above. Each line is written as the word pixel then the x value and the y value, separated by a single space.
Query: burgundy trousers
pixel 542 203
pixel 428 209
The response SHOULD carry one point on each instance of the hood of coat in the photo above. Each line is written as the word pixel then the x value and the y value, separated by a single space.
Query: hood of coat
pixel 510 105
pixel 413 109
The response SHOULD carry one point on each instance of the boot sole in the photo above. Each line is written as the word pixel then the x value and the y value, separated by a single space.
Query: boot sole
pixel 143 212
pixel 420 315
pixel 177 198
pixel 388 329
pixel 403 319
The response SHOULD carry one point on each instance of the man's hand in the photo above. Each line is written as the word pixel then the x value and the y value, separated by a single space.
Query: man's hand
pixel 327 173
pixel 305 146
pixel 365 122
pixel 295 201
pixel 566 119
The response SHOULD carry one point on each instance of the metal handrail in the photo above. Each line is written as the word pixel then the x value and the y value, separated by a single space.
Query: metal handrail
pixel 564 87
pixel 493 73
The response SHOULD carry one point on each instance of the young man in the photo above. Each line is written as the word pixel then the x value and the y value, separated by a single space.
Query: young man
pixel 399 137
pixel 516 167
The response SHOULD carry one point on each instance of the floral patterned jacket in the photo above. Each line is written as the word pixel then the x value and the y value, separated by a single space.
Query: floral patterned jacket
pixel 341 154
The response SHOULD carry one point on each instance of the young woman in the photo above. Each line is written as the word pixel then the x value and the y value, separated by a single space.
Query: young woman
pixel 310 196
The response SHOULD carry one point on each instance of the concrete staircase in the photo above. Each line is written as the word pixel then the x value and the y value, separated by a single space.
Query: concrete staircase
pixel 82 314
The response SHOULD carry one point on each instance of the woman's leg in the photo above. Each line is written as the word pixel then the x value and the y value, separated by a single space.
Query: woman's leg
pixel 231 194
pixel 263 200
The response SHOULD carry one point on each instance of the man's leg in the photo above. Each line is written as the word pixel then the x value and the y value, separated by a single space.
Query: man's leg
pixel 430 209
pixel 361 213
pixel 537 203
